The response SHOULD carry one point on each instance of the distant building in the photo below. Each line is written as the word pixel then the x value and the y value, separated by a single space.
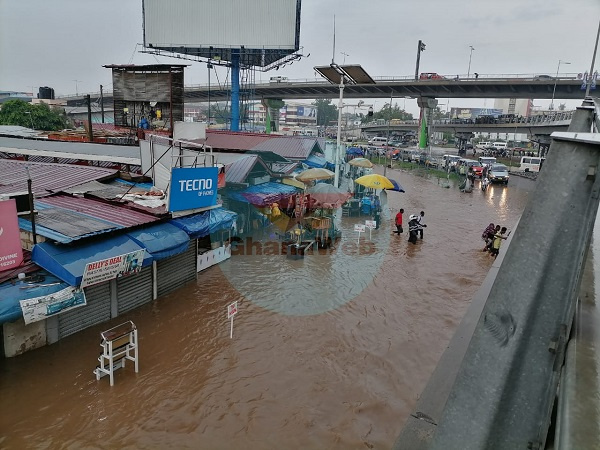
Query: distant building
pixel 518 106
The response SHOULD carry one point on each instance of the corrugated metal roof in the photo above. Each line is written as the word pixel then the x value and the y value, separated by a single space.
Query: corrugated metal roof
pixel 46 178
pixel 223 140
pixel 121 216
pixel 238 171
pixel 298 148
pixel 284 168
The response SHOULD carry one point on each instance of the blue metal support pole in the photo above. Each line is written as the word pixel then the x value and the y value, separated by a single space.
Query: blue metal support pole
pixel 235 90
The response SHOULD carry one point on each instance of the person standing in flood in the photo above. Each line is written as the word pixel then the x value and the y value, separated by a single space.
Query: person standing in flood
pixel 413 228
pixel 399 228
pixel 421 220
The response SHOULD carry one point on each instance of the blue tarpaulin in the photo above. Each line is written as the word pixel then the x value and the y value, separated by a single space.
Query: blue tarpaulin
pixel 68 262
pixel 264 194
pixel 161 241
pixel 205 223
pixel 330 166
pixel 315 161
pixel 11 294
pixel 355 151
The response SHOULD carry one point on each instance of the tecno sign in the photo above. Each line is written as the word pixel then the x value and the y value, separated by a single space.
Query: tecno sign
pixel 193 188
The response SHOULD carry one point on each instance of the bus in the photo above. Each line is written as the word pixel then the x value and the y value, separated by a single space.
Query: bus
pixel 531 163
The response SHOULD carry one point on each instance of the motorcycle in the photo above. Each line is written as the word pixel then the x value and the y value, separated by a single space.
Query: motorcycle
pixel 484 183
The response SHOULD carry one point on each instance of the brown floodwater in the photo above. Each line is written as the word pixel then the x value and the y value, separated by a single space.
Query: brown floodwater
pixel 327 352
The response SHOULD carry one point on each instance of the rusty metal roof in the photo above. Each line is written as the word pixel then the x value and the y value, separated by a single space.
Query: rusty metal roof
pixel 225 140
pixel 238 171
pixel 121 216
pixel 47 177
pixel 298 148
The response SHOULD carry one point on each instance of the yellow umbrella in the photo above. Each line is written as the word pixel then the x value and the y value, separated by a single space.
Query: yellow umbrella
pixel 315 174
pixel 361 162
pixel 375 181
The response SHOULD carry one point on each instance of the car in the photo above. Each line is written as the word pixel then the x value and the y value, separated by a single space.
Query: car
pixel 543 77
pixel 498 173
pixel 431 76
pixel 477 167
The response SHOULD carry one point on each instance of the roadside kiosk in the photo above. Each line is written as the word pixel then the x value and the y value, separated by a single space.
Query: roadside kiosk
pixel 118 344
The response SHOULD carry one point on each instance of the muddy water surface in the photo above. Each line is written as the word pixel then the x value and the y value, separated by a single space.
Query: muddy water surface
pixel 329 352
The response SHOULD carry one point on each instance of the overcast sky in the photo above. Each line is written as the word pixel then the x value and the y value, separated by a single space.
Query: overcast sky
pixel 53 43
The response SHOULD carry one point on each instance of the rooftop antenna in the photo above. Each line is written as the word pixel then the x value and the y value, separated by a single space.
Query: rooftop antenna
pixel 333 56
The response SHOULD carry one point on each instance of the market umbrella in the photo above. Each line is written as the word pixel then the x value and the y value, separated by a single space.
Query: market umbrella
pixel 375 181
pixel 397 186
pixel 315 174
pixel 361 162
pixel 328 196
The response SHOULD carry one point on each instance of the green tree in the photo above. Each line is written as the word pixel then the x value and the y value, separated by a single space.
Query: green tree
pixel 326 112
pixel 388 113
pixel 38 117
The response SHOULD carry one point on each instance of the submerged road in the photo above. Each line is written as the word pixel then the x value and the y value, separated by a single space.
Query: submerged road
pixel 327 352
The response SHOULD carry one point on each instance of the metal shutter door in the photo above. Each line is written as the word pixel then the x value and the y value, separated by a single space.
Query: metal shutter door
pixel 134 290
pixel 174 272
pixel 96 311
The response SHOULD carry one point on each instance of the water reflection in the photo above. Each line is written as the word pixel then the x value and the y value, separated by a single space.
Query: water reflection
pixel 328 352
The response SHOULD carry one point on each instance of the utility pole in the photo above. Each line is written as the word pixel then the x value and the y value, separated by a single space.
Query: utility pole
pixel 420 48
pixel 31 212
pixel 90 131
pixel 589 81
pixel 102 103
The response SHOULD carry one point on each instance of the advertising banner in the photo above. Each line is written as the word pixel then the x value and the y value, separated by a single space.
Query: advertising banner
pixel 117 266
pixel 40 308
pixel 306 111
pixel 11 253
pixel 193 188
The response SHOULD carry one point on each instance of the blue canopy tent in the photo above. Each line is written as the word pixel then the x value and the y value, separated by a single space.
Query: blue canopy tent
pixel 397 186
pixel 264 194
pixel 11 294
pixel 206 222
pixel 68 262
pixel 161 241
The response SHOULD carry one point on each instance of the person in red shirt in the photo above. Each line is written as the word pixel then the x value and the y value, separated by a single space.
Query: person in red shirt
pixel 399 222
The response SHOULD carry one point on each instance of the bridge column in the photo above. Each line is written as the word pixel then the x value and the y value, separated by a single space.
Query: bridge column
pixel 426 104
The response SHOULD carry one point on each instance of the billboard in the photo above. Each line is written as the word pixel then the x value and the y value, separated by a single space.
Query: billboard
pixel 11 253
pixel 473 113
pixel 193 188
pixel 40 308
pixel 258 29
pixel 306 111
pixel 117 266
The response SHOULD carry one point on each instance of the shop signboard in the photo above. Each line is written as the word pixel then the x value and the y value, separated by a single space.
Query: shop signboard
pixel 193 187
pixel 117 266
pixel 40 308
pixel 11 253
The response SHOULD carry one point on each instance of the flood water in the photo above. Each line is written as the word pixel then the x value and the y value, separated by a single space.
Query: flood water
pixel 327 352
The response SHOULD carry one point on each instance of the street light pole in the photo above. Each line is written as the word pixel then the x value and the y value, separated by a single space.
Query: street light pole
pixel 470 56
pixel 336 180
pixel 589 81
pixel 420 48
pixel 560 61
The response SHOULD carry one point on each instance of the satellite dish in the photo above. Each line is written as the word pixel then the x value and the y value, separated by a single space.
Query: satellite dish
pixel 153 104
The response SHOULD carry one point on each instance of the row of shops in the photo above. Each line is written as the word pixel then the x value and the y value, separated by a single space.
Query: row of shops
pixel 102 242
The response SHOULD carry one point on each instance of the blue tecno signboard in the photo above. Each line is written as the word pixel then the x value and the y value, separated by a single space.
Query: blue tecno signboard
pixel 193 188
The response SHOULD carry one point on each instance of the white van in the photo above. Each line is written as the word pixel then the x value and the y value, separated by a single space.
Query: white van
pixel 487 160
pixel 499 145
pixel 483 145
pixel 531 163
pixel 378 141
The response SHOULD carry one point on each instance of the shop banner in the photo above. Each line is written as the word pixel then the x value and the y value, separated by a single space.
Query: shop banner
pixel 11 253
pixel 117 266
pixel 40 308
pixel 193 187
